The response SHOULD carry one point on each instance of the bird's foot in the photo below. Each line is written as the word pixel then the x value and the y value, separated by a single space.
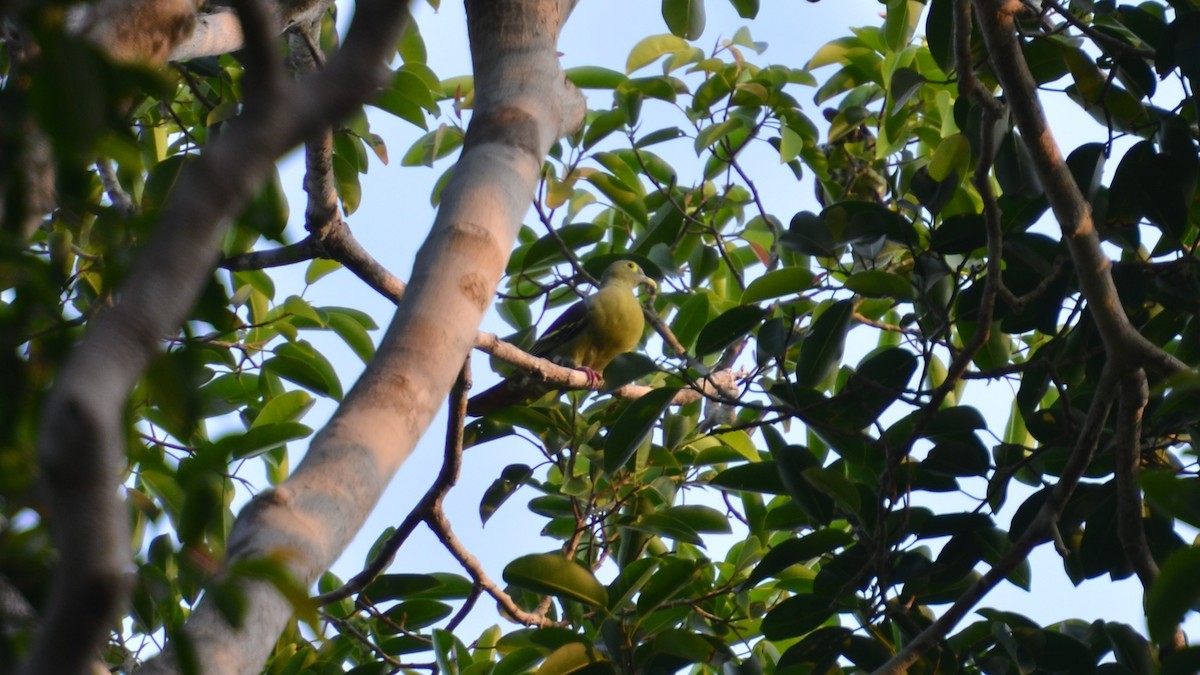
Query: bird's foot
pixel 594 378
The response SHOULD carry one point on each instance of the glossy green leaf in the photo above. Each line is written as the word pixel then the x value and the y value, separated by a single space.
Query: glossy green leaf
pixel 260 438
pixel 520 660
pixel 755 477
pixel 700 518
pixel 621 195
pixel 555 575
pixel 300 363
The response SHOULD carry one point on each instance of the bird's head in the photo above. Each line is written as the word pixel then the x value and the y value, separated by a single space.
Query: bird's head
pixel 627 272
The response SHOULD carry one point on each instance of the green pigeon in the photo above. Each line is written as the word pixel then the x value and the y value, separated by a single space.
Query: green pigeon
pixel 588 336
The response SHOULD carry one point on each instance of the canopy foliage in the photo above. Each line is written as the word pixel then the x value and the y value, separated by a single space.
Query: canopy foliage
pixel 846 452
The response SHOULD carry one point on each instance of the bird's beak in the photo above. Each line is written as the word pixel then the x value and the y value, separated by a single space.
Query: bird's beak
pixel 649 283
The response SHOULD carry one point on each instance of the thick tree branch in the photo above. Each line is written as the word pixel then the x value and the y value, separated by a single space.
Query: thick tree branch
pixel 1124 343
pixel 1127 454
pixel 523 103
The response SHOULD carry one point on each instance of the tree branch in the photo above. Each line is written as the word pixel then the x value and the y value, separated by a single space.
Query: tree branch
pixel 1044 527
pixel 1123 342
pixel 81 444
pixel 1127 453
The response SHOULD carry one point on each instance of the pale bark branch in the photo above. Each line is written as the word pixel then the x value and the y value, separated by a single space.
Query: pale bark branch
pixel 523 104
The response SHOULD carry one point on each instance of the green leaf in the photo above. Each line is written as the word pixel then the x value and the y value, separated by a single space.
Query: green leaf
pixel 685 18
pixel 700 518
pixel 622 196
pixel 901 22
pixel 822 350
pixel 953 153
pixel 555 575
pixel 261 438
pixel 672 577
pixel 690 319
pixel 757 477
pixel 395 586
pixel 905 83
pixel 713 133
pixel 880 284
pixel 520 660
pixel 570 658
pixel 728 328
pixel 798 551
pixel 659 136
pixel 413 615
pixel 793 462
pixel 796 616
pixel 747 9
pixel 778 283
pixel 1175 496
pixel 595 77
pixel 433 146
pixel 630 581
pixel 300 363
pixel 650 49
pixel 353 334
pixel 511 478
pixel 664 525
pixel 287 407
pixel 960 234
pixel 634 426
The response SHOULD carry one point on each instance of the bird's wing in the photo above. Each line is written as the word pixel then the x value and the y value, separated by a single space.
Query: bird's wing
pixel 565 329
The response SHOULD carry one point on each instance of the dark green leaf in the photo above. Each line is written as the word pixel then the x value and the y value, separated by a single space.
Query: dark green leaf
pixel 753 477
pixel 685 18
pixel 511 478
pixel 797 551
pixel 634 426
pixel 413 615
pixel 671 578
pixel 396 586
pixel 728 328
pixel 796 616
pixel 821 351
pixel 747 9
